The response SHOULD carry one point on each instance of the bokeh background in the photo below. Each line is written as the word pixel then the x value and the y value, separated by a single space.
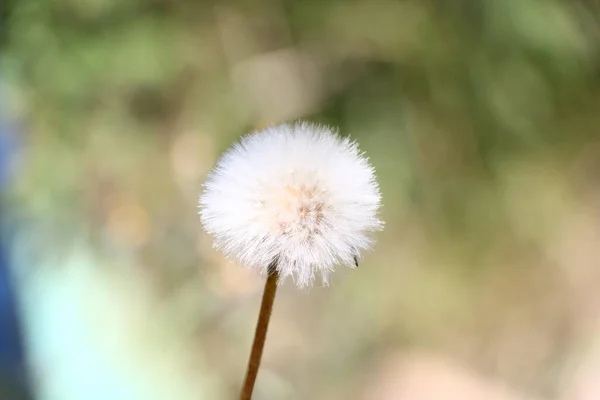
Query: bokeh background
pixel 480 117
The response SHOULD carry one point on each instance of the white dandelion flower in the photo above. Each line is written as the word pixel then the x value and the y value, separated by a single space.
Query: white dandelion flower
pixel 295 193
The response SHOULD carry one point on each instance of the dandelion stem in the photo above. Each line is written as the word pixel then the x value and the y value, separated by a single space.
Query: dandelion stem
pixel 260 333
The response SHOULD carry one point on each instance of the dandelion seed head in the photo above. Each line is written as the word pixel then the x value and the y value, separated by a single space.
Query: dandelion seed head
pixel 297 193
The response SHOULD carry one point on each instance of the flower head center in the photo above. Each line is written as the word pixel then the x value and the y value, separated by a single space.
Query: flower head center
pixel 296 210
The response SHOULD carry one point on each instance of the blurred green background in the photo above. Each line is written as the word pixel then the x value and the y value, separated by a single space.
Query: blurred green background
pixel 480 117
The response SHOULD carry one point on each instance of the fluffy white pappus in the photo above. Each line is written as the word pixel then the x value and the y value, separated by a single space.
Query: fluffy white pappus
pixel 295 193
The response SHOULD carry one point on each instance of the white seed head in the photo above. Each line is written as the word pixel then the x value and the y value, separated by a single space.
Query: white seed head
pixel 295 193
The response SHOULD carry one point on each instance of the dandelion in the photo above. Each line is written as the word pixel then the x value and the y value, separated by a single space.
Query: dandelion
pixel 296 193
pixel 293 201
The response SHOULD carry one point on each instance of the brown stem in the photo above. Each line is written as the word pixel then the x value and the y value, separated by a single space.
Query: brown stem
pixel 260 333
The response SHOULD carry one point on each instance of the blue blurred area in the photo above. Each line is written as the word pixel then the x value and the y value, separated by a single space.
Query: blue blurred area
pixel 13 379
pixel 11 354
